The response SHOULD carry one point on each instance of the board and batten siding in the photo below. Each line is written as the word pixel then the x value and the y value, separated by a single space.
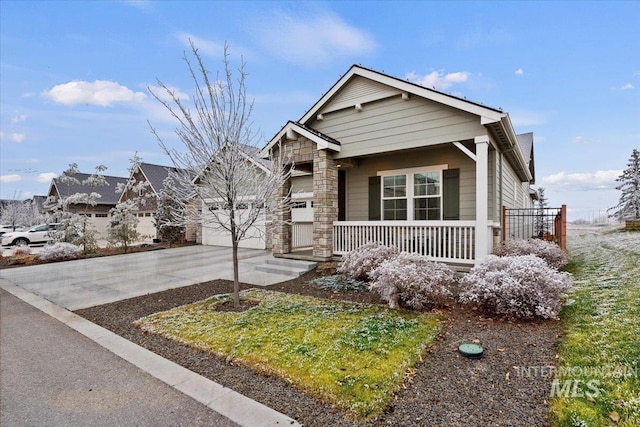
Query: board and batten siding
pixel 357 196
pixel 392 123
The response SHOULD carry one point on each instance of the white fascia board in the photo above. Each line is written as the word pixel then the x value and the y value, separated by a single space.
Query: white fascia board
pixel 147 179
pixel 484 112
pixel 511 134
pixel 322 143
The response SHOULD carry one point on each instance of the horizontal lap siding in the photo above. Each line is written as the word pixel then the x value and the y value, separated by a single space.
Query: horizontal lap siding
pixel 396 124
pixel 359 90
pixel 358 178
pixel 510 182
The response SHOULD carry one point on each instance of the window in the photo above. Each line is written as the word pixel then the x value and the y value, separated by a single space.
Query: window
pixel 298 205
pixel 394 197
pixel 147 214
pixel 414 195
pixel 426 196
pixel 101 215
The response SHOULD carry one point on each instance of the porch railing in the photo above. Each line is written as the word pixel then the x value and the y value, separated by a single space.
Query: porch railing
pixel 301 235
pixel 446 241
pixel 538 223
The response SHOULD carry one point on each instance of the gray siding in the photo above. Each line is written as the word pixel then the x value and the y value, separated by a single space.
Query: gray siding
pixel 358 178
pixel 394 124
pixel 359 90
pixel 510 184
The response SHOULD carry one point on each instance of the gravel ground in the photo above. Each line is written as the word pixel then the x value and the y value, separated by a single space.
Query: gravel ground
pixel 445 389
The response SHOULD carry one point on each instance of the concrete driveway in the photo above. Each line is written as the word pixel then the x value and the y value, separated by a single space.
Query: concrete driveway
pixel 89 282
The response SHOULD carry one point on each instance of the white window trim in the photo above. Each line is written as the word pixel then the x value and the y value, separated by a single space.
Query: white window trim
pixel 410 196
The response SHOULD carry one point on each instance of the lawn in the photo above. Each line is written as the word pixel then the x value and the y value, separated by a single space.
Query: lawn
pixel 354 356
pixel 599 358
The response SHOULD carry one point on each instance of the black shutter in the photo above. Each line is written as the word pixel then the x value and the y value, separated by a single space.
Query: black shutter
pixel 374 198
pixel 451 194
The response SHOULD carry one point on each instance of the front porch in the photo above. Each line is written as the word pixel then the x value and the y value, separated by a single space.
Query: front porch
pixel 452 242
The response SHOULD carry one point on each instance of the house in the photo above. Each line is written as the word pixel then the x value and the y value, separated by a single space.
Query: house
pixel 99 213
pixel 154 176
pixel 384 159
pixel 214 207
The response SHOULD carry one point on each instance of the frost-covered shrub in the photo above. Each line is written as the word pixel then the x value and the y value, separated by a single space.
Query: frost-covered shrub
pixel 60 251
pixel 412 281
pixel 22 250
pixel 339 282
pixel 548 251
pixel 516 286
pixel 360 262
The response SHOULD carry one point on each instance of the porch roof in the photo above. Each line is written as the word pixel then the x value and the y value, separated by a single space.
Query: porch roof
pixel 324 142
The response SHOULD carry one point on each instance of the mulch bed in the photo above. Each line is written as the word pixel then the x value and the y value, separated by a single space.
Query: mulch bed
pixel 445 389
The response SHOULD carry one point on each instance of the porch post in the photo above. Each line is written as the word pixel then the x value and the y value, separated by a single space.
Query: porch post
pixel 325 199
pixel 280 228
pixel 482 197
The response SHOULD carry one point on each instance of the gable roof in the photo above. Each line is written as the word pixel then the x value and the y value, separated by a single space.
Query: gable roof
pixel 494 120
pixel 525 141
pixel 488 114
pixel 323 141
pixel 251 154
pixel 155 175
pixel 108 192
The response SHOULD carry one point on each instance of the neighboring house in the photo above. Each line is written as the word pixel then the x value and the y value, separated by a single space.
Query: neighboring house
pixel 99 214
pixel 218 236
pixel 383 159
pixel 154 176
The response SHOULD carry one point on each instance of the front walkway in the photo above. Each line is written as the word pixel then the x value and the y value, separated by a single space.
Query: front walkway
pixel 90 282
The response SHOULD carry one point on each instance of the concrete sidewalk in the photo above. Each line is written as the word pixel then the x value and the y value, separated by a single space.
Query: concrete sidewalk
pixel 57 368
pixel 90 282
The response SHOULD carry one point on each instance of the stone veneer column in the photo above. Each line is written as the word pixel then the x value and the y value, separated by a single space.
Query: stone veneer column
pixel 280 230
pixel 325 203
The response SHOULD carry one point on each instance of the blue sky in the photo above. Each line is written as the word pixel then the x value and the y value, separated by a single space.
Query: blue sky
pixel 74 76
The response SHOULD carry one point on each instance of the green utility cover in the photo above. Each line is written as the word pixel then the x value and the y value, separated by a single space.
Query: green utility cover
pixel 472 351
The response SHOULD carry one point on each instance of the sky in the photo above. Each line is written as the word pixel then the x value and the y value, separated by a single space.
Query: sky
pixel 75 76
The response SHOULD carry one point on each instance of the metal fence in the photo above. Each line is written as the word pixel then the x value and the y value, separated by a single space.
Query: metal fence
pixel 535 223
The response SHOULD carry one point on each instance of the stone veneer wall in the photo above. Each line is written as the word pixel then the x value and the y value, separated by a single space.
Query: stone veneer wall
pixel 325 199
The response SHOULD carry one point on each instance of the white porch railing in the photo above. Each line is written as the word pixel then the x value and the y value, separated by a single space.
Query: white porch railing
pixel 446 241
pixel 301 235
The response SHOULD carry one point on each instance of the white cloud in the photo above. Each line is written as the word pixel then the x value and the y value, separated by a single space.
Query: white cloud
pixel 578 140
pixel 628 86
pixel 99 92
pixel 438 79
pixel 17 137
pixel 46 177
pixel 14 136
pixel 312 39
pixel 10 178
pixel 583 140
pixel 599 180
pixel 519 71
pixel 206 47
pixel 18 119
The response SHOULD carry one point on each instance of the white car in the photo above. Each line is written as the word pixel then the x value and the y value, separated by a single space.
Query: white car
pixel 38 234
pixel 9 228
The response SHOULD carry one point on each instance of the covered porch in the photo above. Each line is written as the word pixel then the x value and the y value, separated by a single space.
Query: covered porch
pixel 350 207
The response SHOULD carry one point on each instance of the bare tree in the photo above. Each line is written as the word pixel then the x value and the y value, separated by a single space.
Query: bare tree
pixel 17 212
pixel 122 228
pixel 75 224
pixel 220 164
